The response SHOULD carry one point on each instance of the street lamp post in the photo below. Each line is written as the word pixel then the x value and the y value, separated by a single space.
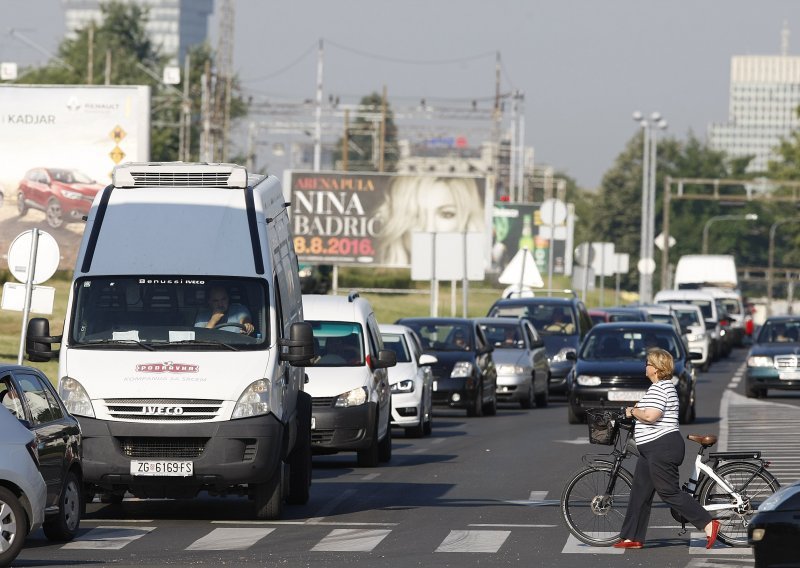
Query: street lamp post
pixel 646 261
pixel 770 270
pixel 747 217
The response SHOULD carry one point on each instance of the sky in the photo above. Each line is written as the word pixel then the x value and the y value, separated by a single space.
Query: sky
pixel 584 66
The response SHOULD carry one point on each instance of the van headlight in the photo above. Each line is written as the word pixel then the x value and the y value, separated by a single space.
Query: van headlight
pixel 75 398
pixel 254 400
pixel 588 381
pixel 404 386
pixel 461 370
pixel 354 397
pixel 759 361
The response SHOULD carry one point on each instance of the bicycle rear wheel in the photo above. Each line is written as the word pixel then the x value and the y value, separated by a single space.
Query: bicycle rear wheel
pixel 591 514
pixel 753 485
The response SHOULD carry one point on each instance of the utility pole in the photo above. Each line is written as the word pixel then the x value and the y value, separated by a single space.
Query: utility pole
pixel 185 132
pixel 346 140
pixel 90 56
pixel 205 135
pixel 497 117
pixel 318 111
pixel 224 66
pixel 108 67
pixel 382 140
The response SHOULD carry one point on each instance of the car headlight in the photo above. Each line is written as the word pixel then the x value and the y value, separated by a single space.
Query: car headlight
pixel 511 369
pixel 759 361
pixel 354 397
pixel 461 370
pixel 695 336
pixel 561 356
pixel 758 534
pixel 254 400
pixel 71 194
pixel 404 386
pixel 75 398
pixel 588 381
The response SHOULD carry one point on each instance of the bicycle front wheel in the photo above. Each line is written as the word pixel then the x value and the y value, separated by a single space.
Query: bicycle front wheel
pixel 592 514
pixel 752 485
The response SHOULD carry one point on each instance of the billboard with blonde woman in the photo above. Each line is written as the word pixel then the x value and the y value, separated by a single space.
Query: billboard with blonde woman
pixel 358 218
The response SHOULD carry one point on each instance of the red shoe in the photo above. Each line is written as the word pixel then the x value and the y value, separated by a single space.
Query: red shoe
pixel 710 540
pixel 628 544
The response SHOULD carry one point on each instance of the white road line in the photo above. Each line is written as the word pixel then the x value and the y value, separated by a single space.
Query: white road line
pixel 240 538
pixel 437 441
pixel 370 476
pixel 331 505
pixel 351 540
pixel 306 522
pixel 510 526
pixel 574 546
pixel 107 538
pixel 116 521
pixel 538 495
pixel 473 541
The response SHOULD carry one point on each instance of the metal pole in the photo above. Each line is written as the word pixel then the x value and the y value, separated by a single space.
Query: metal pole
pixel 645 202
pixel 771 260
pixel 512 153
pixel 551 244
pixel 26 310
pixel 665 232
pixel 318 125
pixel 465 283
pixel 705 234
pixel 651 208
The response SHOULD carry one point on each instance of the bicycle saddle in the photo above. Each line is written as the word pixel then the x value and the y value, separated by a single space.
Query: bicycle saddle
pixel 705 441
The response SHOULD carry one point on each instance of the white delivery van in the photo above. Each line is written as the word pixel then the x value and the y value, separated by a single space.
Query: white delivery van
pixel 706 270
pixel 349 384
pixel 183 346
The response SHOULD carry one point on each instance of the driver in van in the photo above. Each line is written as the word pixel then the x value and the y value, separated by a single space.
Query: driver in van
pixel 560 323
pixel 220 311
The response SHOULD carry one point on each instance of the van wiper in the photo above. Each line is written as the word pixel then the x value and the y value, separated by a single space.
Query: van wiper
pixel 119 342
pixel 201 342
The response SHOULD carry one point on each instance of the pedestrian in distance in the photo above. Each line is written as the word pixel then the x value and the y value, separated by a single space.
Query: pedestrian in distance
pixel 661 452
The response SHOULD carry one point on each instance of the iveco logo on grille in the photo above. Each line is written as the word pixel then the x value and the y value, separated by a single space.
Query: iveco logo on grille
pixel 171 410
pixel 167 367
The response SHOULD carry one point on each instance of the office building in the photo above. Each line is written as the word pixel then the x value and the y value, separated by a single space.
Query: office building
pixel 174 25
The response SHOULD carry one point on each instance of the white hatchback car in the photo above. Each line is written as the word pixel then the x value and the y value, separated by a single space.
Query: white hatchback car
pixel 411 381
pixel 23 493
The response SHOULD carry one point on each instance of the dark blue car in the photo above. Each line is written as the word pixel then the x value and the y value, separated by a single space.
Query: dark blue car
pixel 774 359
pixel 464 375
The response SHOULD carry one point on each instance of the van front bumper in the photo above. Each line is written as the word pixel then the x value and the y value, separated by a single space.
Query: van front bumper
pixel 343 429
pixel 224 454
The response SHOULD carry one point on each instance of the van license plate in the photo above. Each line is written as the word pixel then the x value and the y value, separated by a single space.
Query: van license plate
pixel 162 468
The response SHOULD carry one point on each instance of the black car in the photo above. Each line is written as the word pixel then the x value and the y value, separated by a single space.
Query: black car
pixel 774 358
pixel 464 375
pixel 774 531
pixel 627 313
pixel 29 396
pixel 562 323
pixel 610 368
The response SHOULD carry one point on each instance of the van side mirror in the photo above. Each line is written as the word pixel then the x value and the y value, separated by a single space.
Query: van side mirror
pixel 386 358
pixel 38 341
pixel 300 345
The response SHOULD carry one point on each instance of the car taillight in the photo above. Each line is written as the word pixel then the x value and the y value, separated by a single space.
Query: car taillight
pixel 33 451
pixel 724 322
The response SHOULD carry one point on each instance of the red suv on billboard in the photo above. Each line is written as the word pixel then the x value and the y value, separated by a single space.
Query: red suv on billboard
pixel 63 194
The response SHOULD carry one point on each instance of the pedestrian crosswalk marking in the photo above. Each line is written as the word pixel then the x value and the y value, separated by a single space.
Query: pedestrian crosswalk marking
pixel 697 545
pixel 473 541
pixel 240 538
pixel 574 546
pixel 351 540
pixel 108 538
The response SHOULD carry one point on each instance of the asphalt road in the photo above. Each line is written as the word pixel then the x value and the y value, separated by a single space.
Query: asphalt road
pixel 478 492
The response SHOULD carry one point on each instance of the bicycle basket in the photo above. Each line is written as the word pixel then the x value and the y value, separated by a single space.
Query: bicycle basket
pixel 603 426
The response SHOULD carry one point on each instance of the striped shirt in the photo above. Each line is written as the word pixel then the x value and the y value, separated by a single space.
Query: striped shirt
pixel 663 396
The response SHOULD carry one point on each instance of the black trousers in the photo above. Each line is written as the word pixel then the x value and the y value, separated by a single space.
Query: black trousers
pixel 657 472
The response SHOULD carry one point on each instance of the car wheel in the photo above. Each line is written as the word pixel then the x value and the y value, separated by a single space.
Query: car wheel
pixel 572 416
pixel 418 430
pixel 706 365
pixel 53 214
pixel 427 426
pixel 368 457
pixel 64 525
pixel 542 399
pixel 490 408
pixel 528 401
pixel 22 207
pixel 752 392
pixel 269 496
pixel 13 526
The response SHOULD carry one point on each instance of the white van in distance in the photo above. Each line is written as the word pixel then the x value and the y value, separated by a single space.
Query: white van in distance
pixel 183 347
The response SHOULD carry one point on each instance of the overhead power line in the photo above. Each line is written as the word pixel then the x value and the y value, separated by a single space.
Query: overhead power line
pixel 411 61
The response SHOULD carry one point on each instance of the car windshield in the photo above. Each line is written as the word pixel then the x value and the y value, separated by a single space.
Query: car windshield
pixel 662 318
pixel 547 318
pixel 169 312
pixel 397 343
pixel 70 176
pixel 688 317
pixel 443 336
pixel 732 306
pixel 504 336
pixel 338 343
pixel 786 331
pixel 627 344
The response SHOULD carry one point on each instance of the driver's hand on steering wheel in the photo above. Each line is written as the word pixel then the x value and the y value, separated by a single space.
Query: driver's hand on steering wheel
pixel 248 328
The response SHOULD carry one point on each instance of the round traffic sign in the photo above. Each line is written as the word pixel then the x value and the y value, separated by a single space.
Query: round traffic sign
pixel 47 256
pixel 553 212
pixel 584 254
pixel 646 265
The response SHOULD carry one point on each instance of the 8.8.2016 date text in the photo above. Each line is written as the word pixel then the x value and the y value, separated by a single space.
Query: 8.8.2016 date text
pixel 333 246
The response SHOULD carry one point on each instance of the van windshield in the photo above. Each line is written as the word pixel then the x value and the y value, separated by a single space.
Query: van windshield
pixel 170 312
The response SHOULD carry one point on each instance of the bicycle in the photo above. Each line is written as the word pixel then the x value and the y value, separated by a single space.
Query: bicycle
pixel 730 485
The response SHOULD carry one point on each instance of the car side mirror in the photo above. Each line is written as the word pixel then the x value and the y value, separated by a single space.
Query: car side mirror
pixel 300 345
pixel 571 356
pixel 427 359
pixel 386 358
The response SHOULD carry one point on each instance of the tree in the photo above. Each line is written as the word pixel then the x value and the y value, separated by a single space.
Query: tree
pixel 364 138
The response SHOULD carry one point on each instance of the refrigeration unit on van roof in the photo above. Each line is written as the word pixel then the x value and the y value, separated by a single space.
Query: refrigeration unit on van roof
pixel 177 174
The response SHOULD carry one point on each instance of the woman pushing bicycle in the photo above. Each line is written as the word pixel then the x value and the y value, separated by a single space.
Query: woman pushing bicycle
pixel 661 452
